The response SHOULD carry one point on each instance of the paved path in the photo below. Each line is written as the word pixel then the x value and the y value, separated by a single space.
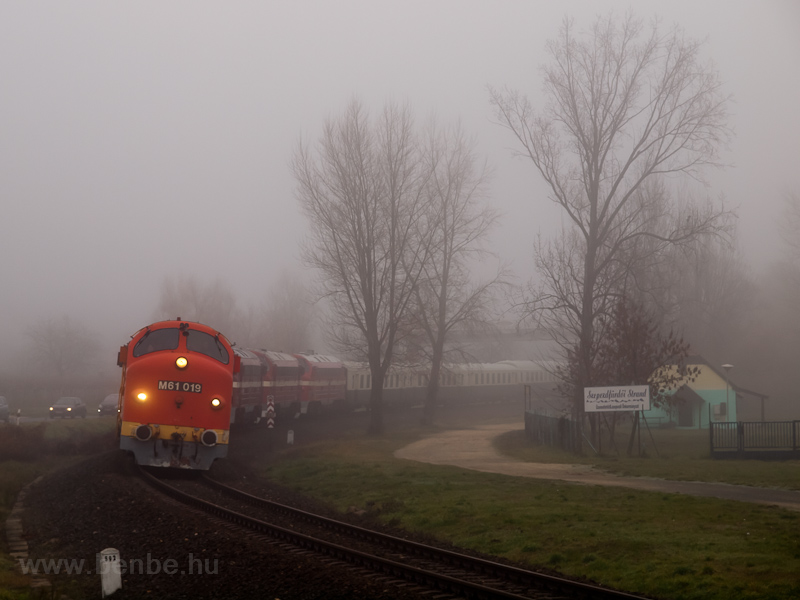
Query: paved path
pixel 472 449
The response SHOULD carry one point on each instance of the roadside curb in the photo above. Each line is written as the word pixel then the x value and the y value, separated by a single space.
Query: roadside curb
pixel 15 536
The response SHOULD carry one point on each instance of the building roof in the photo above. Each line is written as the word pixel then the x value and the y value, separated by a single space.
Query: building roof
pixel 697 359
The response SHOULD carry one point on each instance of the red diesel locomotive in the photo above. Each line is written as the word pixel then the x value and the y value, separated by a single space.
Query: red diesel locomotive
pixel 177 383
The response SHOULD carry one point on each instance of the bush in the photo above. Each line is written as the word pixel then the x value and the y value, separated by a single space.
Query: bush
pixel 22 443
pixel 31 443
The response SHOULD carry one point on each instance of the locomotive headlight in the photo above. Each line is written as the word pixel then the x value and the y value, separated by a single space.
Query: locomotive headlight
pixel 141 396
pixel 181 362
pixel 216 403
pixel 69 409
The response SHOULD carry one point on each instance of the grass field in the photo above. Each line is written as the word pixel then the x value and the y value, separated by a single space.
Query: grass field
pixel 677 454
pixel 655 544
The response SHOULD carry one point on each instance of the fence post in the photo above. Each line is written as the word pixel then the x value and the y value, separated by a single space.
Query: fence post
pixel 711 438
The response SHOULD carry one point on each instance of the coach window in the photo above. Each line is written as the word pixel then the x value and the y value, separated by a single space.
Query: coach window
pixel 200 341
pixel 156 340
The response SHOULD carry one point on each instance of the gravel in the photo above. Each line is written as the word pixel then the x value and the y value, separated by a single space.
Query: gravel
pixel 169 551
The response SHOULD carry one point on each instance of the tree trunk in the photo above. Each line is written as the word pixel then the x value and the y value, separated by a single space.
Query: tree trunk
pixel 432 391
pixel 376 404
pixel 378 371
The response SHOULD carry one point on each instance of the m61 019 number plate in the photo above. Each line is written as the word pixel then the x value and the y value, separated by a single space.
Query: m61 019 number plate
pixel 180 386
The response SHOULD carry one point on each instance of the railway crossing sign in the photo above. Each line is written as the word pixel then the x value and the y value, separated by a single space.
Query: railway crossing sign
pixel 270 412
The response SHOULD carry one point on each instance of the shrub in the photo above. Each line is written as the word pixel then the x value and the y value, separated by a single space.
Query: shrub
pixel 22 443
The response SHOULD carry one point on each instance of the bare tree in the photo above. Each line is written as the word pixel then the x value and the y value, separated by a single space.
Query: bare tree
pixel 62 346
pixel 188 298
pixel 362 192
pixel 712 295
pixel 638 351
pixel 626 109
pixel 456 223
pixel 284 321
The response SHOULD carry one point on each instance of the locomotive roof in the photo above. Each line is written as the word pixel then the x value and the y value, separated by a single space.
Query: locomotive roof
pixel 176 323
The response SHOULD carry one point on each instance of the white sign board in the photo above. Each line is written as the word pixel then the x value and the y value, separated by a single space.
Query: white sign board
pixel 607 399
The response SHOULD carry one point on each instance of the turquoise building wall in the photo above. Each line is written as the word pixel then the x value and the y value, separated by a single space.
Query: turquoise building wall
pixel 712 393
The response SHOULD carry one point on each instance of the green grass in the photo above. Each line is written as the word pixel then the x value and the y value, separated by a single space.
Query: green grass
pixel 672 454
pixel 655 544
pixel 59 429
pixel 664 545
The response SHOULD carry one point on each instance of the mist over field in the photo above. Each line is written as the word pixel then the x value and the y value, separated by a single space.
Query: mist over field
pixel 146 148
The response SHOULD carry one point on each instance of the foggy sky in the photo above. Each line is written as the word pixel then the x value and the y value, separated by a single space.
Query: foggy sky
pixel 144 140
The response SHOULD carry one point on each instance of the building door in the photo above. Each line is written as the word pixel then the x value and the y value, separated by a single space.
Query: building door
pixel 685 413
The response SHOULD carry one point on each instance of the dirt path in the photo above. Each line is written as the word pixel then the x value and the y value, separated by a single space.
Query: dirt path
pixel 472 449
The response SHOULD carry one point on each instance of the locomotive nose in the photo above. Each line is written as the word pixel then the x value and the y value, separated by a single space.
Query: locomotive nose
pixel 209 438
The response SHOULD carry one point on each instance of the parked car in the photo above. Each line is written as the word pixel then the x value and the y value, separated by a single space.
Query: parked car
pixel 109 405
pixel 68 406
pixel 4 411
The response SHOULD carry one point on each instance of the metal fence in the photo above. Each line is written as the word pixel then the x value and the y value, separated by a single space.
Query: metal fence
pixel 765 440
pixel 557 432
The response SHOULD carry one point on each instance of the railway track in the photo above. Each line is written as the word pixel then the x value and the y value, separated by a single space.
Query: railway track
pixel 399 561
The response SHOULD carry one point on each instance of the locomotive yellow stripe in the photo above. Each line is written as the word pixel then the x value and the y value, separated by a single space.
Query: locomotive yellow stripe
pixel 164 432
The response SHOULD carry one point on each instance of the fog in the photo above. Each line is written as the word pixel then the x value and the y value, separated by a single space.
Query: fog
pixel 148 140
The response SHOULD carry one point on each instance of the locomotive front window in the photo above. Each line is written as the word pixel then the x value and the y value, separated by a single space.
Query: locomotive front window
pixel 157 340
pixel 199 341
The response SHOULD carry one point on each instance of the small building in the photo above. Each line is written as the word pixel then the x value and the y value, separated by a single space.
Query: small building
pixel 711 396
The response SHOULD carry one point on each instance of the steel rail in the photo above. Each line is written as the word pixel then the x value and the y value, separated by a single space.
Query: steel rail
pixel 408 573
pixel 543 586
pixel 539 581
